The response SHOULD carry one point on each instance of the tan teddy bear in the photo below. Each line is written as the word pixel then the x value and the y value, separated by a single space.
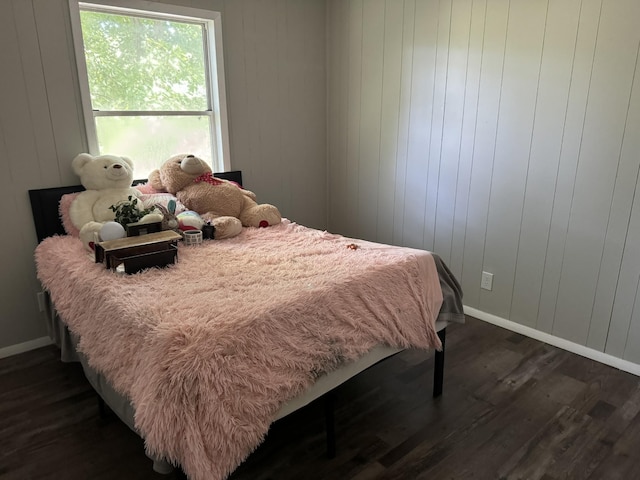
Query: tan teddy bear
pixel 226 205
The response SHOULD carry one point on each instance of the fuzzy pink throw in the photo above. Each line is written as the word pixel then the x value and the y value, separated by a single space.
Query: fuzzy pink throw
pixel 208 350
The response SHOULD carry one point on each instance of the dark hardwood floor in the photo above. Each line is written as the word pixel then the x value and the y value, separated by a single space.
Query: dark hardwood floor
pixel 513 408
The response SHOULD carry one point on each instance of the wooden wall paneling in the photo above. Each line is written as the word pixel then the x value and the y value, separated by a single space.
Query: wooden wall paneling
pixel 61 79
pixel 624 315
pixel 308 90
pixel 236 84
pixel 436 127
pixel 283 115
pixel 354 102
pixel 630 149
pixel 493 49
pixel 34 146
pixel 311 185
pixel 266 24
pixel 215 5
pixel 335 29
pixel 467 134
pixel 521 75
pixel 338 73
pixel 451 139
pixel 619 218
pixel 251 126
pixel 614 64
pixel 15 117
pixel 373 38
pixel 47 171
pixel 390 118
pixel 406 83
pixel 571 139
pixel 420 118
pixel 550 110
pixel 19 160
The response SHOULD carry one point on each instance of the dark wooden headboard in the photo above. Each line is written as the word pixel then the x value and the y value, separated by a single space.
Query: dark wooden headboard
pixel 44 204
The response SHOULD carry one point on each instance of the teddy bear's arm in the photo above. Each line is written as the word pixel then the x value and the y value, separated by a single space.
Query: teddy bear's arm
pixel 81 209
pixel 248 193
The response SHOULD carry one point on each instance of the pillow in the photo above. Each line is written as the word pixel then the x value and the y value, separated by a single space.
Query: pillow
pixel 146 188
pixel 63 210
pixel 147 200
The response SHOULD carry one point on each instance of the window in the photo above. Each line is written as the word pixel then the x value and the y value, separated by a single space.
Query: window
pixel 151 82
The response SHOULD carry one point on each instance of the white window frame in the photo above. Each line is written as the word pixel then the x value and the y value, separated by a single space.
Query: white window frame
pixel 213 63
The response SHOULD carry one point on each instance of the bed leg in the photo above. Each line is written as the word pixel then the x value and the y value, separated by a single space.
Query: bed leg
pixel 438 374
pixel 329 422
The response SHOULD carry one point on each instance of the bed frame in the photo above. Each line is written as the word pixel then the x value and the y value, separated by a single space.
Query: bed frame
pixel 44 204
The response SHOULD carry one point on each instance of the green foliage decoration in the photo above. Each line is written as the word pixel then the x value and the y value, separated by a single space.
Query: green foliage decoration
pixel 127 212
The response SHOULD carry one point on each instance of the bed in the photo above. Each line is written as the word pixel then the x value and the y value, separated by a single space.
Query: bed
pixel 201 357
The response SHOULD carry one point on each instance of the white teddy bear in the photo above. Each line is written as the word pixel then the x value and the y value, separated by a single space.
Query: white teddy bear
pixel 107 180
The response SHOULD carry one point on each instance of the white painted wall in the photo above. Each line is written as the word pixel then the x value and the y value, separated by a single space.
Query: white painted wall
pixel 504 136
pixel 275 68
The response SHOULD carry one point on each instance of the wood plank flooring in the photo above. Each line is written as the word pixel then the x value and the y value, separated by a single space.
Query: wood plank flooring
pixel 513 408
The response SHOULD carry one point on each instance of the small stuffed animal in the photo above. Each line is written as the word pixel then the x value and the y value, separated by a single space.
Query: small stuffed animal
pixel 169 218
pixel 223 203
pixel 107 180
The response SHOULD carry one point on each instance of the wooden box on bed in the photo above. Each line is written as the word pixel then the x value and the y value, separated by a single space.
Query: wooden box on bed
pixel 157 249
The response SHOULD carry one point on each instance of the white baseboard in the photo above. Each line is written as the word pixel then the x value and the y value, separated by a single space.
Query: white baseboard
pixel 24 347
pixel 576 348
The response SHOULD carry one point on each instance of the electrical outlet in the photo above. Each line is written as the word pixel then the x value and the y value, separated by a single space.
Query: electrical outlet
pixel 41 302
pixel 486 283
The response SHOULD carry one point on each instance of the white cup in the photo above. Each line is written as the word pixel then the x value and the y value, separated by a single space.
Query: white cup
pixel 192 237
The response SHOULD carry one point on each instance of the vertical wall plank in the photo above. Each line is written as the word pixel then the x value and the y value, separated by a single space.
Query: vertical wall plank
pixel 307 138
pixel 390 117
pixel 618 227
pixel 48 168
pixel 338 66
pixel 373 38
pixel 436 129
pixel 406 83
pixel 546 140
pixel 630 272
pixel 60 74
pixel 493 48
pixel 420 114
pixel 277 102
pixel 513 139
pixel 467 137
pixel 266 27
pixel 613 70
pixel 571 138
pixel 354 114
pixel 28 152
pixel 236 84
pixel 623 330
pixel 451 139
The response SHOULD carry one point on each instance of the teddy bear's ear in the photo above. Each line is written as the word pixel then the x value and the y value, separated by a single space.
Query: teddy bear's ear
pixel 128 161
pixel 80 161
pixel 155 181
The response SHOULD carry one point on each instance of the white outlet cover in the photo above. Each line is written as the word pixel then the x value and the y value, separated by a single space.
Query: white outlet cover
pixel 486 283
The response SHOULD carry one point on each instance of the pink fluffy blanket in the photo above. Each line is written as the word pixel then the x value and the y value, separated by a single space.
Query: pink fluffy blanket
pixel 209 349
